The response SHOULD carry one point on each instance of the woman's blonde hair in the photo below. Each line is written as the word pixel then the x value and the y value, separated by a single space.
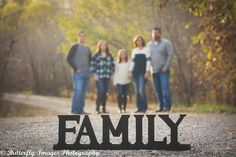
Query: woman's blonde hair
pixel 99 46
pixel 139 37
pixel 119 55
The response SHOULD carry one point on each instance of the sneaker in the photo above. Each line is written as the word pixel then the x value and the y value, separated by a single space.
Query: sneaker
pixel 104 112
pixel 166 109
pixel 82 113
pixel 98 112
pixel 160 110
pixel 140 112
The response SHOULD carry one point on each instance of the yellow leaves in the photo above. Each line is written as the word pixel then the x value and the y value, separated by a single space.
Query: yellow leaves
pixel 37 9
pixel 198 38
pixel 208 65
pixel 10 14
pixel 11 8
pixel 64 48
pixel 116 21
pixel 197 8
pixel 209 55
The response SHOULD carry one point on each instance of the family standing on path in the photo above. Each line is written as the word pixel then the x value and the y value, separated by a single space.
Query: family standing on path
pixel 154 58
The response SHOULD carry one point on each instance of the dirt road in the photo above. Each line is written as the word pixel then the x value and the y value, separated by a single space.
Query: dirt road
pixel 208 134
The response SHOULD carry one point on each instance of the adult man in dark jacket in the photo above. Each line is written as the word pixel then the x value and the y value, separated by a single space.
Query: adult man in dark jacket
pixel 79 58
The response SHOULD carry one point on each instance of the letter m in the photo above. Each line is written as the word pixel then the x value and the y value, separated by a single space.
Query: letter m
pixel 122 128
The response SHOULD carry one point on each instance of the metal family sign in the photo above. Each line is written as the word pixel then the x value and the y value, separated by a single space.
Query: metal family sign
pixel 86 129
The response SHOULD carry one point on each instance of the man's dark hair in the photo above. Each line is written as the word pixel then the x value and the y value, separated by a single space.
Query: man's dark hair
pixel 81 32
pixel 157 29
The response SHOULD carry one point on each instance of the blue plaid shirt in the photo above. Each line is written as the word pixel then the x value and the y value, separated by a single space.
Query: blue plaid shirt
pixel 103 67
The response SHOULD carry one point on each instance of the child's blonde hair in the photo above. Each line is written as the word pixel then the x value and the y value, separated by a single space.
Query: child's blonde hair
pixel 119 55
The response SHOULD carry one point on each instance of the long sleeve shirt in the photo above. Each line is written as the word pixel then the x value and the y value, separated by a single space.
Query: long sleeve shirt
pixel 140 60
pixel 121 75
pixel 161 54
pixel 79 57
pixel 103 67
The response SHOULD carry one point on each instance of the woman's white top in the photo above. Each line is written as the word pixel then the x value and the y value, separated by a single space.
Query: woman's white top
pixel 146 52
pixel 121 75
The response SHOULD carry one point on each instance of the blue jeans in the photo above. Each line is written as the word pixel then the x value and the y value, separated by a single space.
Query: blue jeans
pixel 161 84
pixel 103 88
pixel 141 101
pixel 80 85
pixel 122 90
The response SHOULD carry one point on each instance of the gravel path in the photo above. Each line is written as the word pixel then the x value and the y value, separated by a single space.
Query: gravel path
pixel 208 134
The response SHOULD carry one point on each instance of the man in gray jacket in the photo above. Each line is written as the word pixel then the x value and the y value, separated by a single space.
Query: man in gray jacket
pixel 79 58
pixel 161 51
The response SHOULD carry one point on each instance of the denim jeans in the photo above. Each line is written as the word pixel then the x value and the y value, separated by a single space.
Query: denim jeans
pixel 103 88
pixel 141 101
pixel 80 85
pixel 161 85
pixel 122 92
